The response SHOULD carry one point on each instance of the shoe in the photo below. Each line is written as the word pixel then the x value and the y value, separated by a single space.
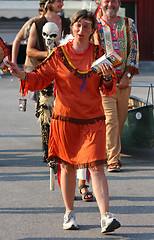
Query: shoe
pixel 69 221
pixel 86 196
pixel 109 223
pixel 113 167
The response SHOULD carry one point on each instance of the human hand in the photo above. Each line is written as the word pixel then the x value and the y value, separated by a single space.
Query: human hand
pixel 14 69
pixel 107 70
pixel 124 82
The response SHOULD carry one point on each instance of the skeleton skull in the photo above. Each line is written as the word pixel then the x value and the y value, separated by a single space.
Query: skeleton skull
pixel 50 33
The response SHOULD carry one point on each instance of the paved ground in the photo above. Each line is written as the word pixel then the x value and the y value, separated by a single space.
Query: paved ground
pixel 29 210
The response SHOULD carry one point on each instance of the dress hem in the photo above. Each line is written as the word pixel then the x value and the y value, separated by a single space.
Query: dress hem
pixel 77 166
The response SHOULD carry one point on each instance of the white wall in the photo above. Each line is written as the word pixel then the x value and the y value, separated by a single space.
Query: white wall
pixel 19 9
pixel 29 9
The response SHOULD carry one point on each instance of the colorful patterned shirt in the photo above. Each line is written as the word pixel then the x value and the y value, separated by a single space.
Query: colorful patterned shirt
pixel 123 39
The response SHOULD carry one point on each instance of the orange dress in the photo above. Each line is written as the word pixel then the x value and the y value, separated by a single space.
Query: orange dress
pixel 77 132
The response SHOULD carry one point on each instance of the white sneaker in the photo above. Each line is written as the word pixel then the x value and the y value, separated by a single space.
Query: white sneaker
pixel 109 223
pixel 69 221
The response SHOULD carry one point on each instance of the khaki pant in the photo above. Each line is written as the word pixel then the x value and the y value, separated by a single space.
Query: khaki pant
pixel 116 109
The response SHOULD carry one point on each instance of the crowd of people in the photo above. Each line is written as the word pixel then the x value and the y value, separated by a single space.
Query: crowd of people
pixel 86 110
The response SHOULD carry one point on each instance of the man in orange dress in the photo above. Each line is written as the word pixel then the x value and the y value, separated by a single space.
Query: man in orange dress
pixel 77 132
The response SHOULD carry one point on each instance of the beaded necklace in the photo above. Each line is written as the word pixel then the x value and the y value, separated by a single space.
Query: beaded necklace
pixel 78 73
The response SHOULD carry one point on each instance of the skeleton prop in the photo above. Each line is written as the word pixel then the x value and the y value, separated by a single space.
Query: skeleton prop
pixel 50 33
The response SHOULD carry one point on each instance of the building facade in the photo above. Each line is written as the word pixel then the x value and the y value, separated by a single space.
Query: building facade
pixel 13 14
pixel 142 11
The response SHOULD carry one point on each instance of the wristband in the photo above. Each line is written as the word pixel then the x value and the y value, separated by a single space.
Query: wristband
pixel 108 79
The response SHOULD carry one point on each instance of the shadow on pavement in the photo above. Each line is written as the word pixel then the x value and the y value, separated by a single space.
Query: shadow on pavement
pixel 111 236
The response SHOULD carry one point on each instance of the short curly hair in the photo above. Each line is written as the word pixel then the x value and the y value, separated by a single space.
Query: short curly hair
pixel 84 14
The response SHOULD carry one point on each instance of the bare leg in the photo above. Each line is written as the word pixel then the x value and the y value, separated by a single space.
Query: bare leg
pixel 84 190
pixel 68 184
pixel 81 175
pixel 100 188
pixel 82 182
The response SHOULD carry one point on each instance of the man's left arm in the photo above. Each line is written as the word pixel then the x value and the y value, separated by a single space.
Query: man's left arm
pixel 133 56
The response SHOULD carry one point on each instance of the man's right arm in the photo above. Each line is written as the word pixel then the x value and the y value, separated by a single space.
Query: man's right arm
pixel 21 36
pixel 15 49
pixel 31 45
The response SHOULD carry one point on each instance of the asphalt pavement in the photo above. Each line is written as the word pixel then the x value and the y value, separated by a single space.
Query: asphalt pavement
pixel 29 210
